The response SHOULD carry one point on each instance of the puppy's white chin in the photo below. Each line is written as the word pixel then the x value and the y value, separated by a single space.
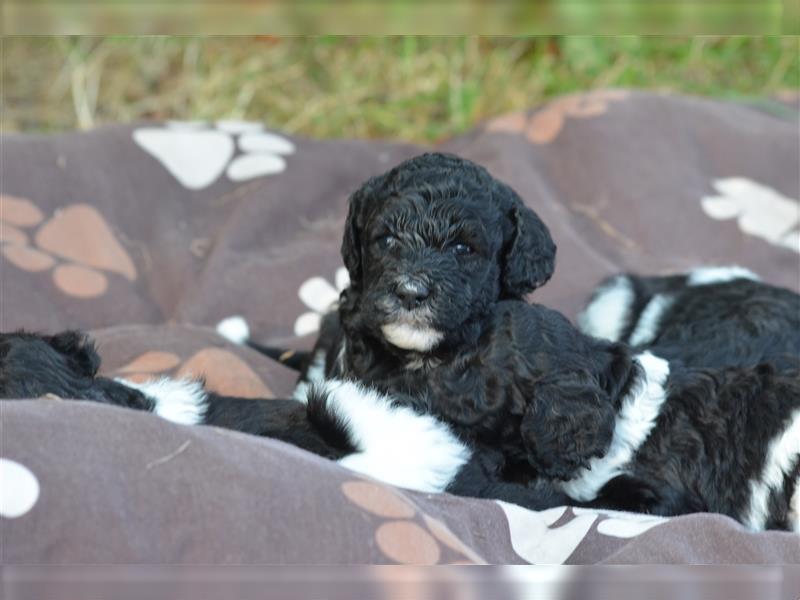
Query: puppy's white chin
pixel 408 337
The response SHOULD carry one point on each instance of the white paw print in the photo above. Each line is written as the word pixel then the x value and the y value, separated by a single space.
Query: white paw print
pixel 197 154
pixel 622 524
pixel 19 489
pixel 759 210
pixel 318 294
pixel 536 539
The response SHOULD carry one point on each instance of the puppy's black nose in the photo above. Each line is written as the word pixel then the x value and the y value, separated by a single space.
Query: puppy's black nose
pixel 412 294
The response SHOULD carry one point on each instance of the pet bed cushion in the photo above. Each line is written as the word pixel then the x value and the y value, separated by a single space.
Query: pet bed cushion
pixel 149 234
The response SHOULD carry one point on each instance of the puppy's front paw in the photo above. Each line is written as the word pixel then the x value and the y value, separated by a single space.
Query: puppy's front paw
pixel 565 426
pixel 556 467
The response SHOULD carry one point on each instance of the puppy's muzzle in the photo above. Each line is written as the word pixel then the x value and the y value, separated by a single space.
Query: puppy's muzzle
pixel 411 294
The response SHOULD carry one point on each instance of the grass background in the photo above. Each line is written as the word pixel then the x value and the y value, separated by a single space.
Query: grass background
pixel 417 89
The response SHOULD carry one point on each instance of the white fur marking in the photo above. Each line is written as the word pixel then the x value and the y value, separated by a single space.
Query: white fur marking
pixel 636 418
pixel 782 453
pixel 606 315
pixel 408 337
pixel 342 356
pixel 234 329
pixel 794 507
pixel 396 444
pixel 647 326
pixel 707 275
pixel 314 374
pixel 181 401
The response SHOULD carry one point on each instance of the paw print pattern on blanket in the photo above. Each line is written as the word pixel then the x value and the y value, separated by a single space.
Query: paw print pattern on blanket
pixel 197 154
pixel 222 371
pixel 550 537
pixel 320 296
pixel 759 210
pixel 546 124
pixel 400 537
pixel 19 490
pixel 76 246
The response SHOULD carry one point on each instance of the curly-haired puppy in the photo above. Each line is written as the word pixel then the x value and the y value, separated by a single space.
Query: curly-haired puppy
pixel 708 317
pixel 448 333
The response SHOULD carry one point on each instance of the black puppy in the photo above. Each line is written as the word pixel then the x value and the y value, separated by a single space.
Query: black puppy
pixel 65 366
pixel 434 318
pixel 709 317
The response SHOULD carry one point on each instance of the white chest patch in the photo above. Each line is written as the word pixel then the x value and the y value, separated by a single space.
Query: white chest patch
pixel 636 418
pixel 408 337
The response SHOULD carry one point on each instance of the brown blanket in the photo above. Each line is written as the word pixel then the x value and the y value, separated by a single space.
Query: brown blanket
pixel 149 234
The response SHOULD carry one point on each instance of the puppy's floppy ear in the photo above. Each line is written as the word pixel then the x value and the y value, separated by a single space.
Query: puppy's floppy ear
pixel 79 350
pixel 530 253
pixel 565 425
pixel 352 241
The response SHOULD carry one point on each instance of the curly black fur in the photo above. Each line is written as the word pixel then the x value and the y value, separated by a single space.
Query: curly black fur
pixel 520 379
pixel 63 365
pixel 441 225
pixel 728 318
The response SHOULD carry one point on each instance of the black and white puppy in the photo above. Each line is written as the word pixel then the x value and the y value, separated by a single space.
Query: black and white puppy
pixel 440 256
pixel 65 365
pixel 709 317
pixel 362 429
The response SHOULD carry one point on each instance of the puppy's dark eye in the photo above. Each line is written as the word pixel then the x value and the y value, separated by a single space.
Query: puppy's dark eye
pixel 461 249
pixel 386 241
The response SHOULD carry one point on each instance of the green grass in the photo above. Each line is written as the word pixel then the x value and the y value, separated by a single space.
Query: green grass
pixel 420 89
